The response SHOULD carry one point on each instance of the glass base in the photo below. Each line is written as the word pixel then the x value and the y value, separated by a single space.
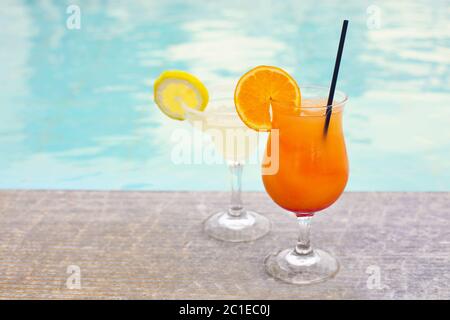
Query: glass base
pixel 247 226
pixel 290 267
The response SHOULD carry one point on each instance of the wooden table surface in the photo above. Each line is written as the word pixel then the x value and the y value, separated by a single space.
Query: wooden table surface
pixel 150 245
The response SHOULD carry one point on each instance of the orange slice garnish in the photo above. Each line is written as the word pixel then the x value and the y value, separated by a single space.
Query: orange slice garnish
pixel 260 88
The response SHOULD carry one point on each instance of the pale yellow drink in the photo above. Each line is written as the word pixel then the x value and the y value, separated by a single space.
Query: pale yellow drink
pixel 231 138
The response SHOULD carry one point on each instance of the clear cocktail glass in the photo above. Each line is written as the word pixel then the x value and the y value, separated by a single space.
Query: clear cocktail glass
pixel 236 143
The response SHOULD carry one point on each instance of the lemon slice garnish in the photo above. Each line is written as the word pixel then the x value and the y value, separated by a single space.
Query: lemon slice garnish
pixel 175 91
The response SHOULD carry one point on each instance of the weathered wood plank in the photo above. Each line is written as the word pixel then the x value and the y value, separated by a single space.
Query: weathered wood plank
pixel 151 245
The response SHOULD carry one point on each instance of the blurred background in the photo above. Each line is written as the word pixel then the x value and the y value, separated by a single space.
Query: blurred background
pixel 76 105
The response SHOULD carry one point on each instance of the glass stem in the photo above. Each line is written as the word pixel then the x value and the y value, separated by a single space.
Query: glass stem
pixel 236 207
pixel 303 246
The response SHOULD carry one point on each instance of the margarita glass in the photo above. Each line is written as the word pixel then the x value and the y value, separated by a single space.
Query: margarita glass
pixel 235 142
pixel 312 174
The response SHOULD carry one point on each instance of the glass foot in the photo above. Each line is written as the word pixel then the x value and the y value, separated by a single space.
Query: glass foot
pixel 290 267
pixel 247 226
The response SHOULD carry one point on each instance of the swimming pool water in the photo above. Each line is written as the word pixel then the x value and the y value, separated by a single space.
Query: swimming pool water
pixel 76 105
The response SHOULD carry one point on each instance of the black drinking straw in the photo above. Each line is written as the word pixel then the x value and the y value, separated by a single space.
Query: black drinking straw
pixel 335 75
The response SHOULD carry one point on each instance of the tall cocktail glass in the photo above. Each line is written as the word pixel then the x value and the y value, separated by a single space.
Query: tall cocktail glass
pixel 312 174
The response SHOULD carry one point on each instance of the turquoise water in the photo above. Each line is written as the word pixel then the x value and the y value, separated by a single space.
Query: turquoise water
pixel 76 104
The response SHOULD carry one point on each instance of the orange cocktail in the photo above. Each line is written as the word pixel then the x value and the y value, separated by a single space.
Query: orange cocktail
pixel 313 169
pixel 305 167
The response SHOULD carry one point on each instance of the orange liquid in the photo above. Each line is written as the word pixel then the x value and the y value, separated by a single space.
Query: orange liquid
pixel 313 169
